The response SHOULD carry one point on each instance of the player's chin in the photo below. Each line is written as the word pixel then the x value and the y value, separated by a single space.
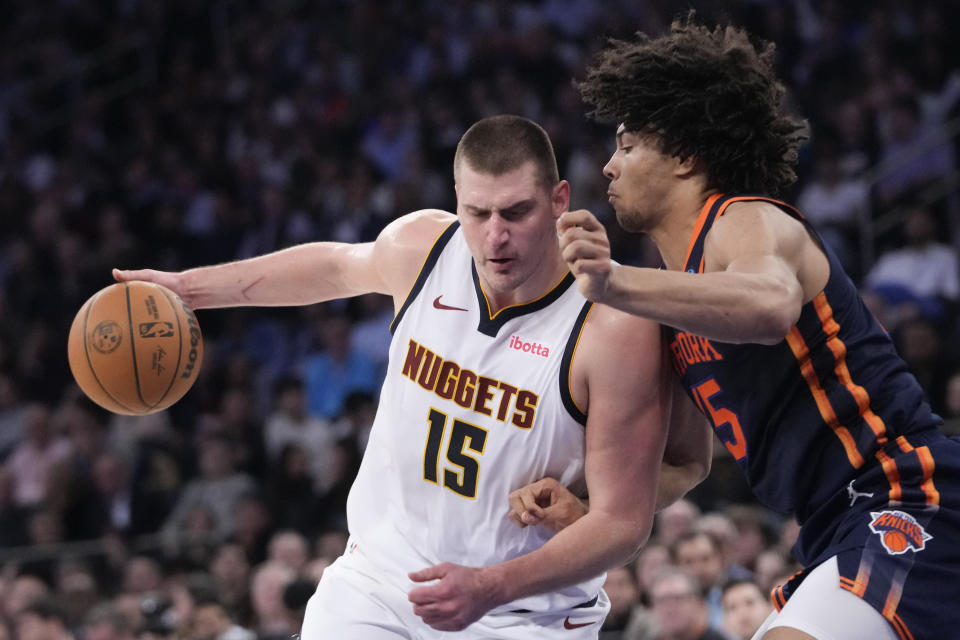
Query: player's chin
pixel 629 220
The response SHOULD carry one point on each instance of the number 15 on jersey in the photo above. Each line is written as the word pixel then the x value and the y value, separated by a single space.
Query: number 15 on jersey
pixel 463 477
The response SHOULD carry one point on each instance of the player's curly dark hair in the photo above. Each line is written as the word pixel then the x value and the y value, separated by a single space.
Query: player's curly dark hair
pixel 702 93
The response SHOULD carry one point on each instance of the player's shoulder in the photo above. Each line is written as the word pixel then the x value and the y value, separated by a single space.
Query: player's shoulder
pixel 611 333
pixel 402 246
pixel 616 352
pixel 417 228
pixel 756 216
pixel 756 226
pixel 610 321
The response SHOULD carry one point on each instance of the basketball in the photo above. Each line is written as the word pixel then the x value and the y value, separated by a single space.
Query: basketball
pixel 135 348
pixel 896 541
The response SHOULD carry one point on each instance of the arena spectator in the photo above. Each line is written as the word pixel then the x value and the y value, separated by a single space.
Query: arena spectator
pixel 745 608
pixel 336 369
pixel 43 620
pixel 678 608
pixel 211 621
pixel 106 622
pixel 219 488
pixel 675 521
pixel 951 402
pixel 33 460
pixel 625 607
pixel 271 618
pixel 291 423
pixel 652 559
pixel 230 570
pixel 289 548
pixel 920 279
pixel 701 555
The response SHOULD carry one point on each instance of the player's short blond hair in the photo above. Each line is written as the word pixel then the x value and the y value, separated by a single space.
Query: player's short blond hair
pixel 500 144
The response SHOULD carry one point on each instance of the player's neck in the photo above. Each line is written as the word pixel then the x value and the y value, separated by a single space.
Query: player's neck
pixel 673 232
pixel 536 286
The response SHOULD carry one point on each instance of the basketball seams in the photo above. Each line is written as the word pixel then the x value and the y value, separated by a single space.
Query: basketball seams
pixel 176 369
pixel 86 352
pixel 133 348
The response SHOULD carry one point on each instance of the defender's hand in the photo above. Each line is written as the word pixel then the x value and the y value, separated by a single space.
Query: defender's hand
pixel 460 597
pixel 586 248
pixel 546 503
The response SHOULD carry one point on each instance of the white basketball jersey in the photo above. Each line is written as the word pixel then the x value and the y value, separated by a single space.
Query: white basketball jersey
pixel 472 408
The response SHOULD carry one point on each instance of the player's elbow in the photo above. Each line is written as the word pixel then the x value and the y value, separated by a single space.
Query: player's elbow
pixel 635 536
pixel 699 470
pixel 638 541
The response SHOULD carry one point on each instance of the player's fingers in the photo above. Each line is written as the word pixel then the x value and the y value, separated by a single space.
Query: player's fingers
pixel 125 275
pixel 576 235
pixel 516 504
pixel 516 508
pixel 424 596
pixel 579 218
pixel 584 250
pixel 522 499
pixel 531 519
pixel 546 491
pixel 430 573
pixel 430 609
pixel 516 519
pixel 528 502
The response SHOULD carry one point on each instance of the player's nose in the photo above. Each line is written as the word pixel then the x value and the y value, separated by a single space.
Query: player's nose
pixel 610 169
pixel 497 232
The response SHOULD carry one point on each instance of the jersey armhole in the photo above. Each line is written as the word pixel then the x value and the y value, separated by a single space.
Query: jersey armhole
pixel 428 264
pixel 566 395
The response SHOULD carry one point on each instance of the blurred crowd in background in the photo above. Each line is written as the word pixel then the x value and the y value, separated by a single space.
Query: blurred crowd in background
pixel 174 133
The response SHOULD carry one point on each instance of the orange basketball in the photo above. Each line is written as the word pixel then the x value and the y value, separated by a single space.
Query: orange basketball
pixel 135 348
pixel 895 540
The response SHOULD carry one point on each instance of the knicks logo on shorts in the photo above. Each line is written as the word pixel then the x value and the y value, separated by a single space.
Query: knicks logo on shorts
pixel 899 532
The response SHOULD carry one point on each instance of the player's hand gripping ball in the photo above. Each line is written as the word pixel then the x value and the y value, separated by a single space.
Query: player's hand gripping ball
pixel 135 348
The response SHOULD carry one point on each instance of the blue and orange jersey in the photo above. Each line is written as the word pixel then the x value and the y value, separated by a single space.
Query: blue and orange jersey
pixel 807 415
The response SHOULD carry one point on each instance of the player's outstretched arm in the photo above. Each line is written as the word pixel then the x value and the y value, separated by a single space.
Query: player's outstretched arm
pixel 751 292
pixel 625 436
pixel 311 272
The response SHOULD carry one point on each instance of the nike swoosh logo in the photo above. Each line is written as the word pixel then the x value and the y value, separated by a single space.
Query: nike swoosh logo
pixel 575 625
pixel 439 305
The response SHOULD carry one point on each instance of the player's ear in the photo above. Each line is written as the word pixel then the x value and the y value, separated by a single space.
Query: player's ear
pixel 560 198
pixel 686 167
